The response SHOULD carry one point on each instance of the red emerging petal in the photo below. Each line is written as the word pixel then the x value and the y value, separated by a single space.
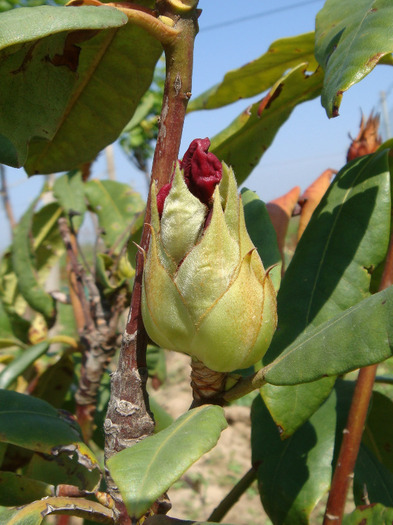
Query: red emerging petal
pixel 202 170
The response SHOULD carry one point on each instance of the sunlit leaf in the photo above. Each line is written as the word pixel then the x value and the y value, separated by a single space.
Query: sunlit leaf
pixel 146 470
pixel 260 74
pixel 242 144
pixel 360 336
pixel 34 90
pixel 351 37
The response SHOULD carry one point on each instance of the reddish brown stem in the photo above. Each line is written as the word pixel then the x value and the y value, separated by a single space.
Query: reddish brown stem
pixel 128 418
pixel 352 434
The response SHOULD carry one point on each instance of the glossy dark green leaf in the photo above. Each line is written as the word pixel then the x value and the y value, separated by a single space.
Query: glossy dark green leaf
pixel 262 233
pixel 331 270
pixel 23 360
pixel 16 490
pixel 259 74
pixel 242 144
pixel 34 424
pixel 372 515
pixel 293 475
pixel 146 470
pixel 351 37
pixel 23 264
pixel 116 205
pixel 68 190
pixel 36 512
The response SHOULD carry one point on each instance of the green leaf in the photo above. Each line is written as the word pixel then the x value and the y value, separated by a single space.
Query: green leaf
pixel 16 490
pixel 242 144
pixel 34 424
pixel 262 233
pixel 22 362
pixel 360 336
pixel 116 205
pixel 351 37
pixel 35 513
pixel 35 91
pixel 293 475
pixel 69 191
pixel 146 470
pixel 23 264
pixel 372 515
pixel 26 24
pixel 345 240
pixel 260 74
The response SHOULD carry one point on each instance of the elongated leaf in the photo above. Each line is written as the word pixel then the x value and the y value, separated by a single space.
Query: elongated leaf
pixel 243 142
pixel 351 37
pixel 16 490
pixel 372 515
pixel 22 259
pixel 34 90
pixel 116 205
pixel 25 359
pixel 146 470
pixel 295 474
pixel 35 513
pixel 263 236
pixel 260 74
pixel 331 270
pixel 361 336
pixel 33 424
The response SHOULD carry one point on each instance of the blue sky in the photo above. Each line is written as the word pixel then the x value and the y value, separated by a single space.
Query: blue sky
pixel 307 144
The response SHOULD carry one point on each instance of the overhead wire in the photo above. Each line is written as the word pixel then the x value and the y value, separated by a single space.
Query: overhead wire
pixel 257 15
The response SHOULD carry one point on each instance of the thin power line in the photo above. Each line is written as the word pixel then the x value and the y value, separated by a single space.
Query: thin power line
pixel 258 15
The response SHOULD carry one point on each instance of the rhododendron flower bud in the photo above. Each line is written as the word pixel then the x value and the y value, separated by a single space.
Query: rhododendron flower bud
pixel 205 290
